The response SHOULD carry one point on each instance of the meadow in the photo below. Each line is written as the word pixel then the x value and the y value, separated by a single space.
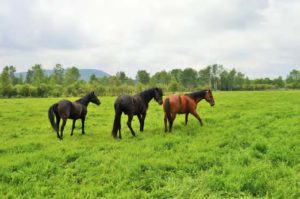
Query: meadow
pixel 248 147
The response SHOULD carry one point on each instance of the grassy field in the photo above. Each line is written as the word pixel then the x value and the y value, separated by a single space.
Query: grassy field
pixel 249 147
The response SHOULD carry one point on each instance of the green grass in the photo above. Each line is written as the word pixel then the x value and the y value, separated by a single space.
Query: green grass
pixel 249 147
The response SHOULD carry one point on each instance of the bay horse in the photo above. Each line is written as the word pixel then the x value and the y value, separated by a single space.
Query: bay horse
pixel 65 109
pixel 185 104
pixel 134 105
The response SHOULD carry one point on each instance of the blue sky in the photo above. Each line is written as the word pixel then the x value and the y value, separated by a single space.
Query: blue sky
pixel 259 37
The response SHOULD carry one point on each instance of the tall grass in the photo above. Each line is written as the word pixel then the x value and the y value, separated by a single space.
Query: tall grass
pixel 249 147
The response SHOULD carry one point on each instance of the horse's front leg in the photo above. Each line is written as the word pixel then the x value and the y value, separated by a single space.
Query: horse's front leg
pixel 140 120
pixel 82 123
pixel 73 126
pixel 143 121
pixel 186 118
pixel 194 113
pixel 129 124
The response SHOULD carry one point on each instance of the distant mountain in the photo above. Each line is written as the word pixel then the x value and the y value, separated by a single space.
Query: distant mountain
pixel 84 73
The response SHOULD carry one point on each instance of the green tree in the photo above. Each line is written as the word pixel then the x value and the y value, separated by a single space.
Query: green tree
pixel 174 86
pixel 161 77
pixel 176 73
pixel 121 76
pixel 204 77
pixel 13 78
pixel 293 79
pixel 215 71
pixel 189 78
pixel 224 80
pixel 29 77
pixel 6 82
pixel 93 79
pixel 72 75
pixel 114 81
pixel 278 82
pixel 143 77
pixel 58 74
pixel 231 79
pixel 239 81
pixel 35 75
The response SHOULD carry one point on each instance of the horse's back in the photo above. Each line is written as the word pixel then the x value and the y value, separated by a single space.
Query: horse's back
pixel 180 103
pixel 128 104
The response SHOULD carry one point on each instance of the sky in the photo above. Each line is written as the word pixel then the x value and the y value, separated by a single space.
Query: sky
pixel 260 38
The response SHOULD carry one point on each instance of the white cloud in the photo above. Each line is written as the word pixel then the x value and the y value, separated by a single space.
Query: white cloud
pixel 259 37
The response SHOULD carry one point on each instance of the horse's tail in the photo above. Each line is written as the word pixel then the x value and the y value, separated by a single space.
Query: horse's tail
pixel 117 121
pixel 167 108
pixel 51 111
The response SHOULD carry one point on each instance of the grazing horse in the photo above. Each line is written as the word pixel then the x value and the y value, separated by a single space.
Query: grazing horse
pixel 134 105
pixel 185 104
pixel 65 109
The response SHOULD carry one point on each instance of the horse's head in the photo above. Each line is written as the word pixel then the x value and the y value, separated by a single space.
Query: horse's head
pixel 209 97
pixel 94 99
pixel 158 95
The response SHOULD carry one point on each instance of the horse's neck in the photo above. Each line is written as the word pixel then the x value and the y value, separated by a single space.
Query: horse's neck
pixel 197 100
pixel 84 101
pixel 146 97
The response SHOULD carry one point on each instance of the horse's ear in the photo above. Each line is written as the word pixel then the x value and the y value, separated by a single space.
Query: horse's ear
pixel 93 92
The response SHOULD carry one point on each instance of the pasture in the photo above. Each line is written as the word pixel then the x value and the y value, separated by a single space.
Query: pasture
pixel 248 147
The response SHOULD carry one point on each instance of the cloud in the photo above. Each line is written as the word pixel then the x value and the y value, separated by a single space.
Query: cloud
pixel 259 37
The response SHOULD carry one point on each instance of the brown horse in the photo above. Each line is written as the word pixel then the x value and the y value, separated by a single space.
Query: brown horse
pixel 185 104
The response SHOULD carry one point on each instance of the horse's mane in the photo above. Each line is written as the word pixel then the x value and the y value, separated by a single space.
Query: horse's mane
pixel 84 100
pixel 149 93
pixel 197 94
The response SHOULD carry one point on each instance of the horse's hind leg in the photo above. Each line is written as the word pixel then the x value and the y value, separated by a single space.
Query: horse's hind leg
pixel 172 121
pixel 73 126
pixel 120 136
pixel 129 124
pixel 62 128
pixel 166 122
pixel 57 128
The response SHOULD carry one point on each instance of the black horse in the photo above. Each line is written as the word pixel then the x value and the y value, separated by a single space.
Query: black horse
pixel 65 109
pixel 134 105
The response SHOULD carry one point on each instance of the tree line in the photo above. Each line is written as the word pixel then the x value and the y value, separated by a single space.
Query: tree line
pixel 67 82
